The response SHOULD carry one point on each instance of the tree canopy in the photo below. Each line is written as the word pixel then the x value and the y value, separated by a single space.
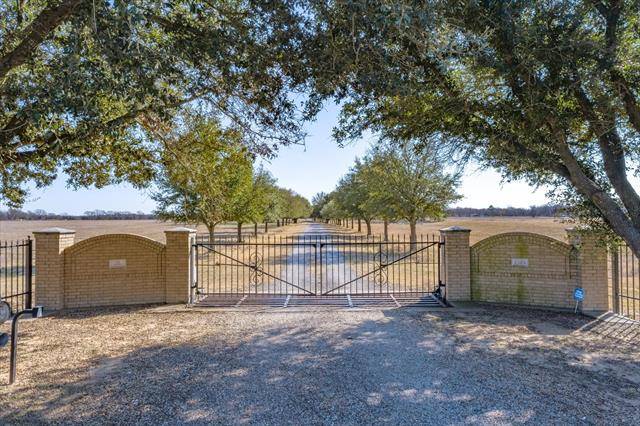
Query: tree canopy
pixel 208 176
pixel 545 91
pixel 82 84
pixel 393 181
pixel 542 90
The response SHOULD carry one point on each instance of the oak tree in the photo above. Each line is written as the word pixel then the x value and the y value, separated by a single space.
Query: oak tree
pixel 82 83
pixel 544 91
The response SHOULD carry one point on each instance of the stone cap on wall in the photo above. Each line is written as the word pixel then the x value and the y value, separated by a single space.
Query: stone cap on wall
pixel 180 229
pixel 455 229
pixel 55 230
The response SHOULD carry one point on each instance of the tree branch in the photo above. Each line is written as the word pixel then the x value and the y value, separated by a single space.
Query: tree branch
pixel 35 33
pixel 612 213
pixel 612 154
pixel 630 103
pixel 50 141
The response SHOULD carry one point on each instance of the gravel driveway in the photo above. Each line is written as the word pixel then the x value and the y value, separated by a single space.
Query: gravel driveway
pixel 450 366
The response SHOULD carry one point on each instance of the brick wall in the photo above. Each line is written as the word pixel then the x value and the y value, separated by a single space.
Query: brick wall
pixel 593 271
pixel 524 268
pixel 49 282
pixel 455 263
pixel 115 269
pixel 109 270
pixel 519 268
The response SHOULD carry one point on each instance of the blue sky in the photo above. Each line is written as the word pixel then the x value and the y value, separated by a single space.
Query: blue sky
pixel 305 169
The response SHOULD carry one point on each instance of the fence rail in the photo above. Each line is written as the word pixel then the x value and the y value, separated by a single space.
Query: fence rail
pixel 624 269
pixel 16 273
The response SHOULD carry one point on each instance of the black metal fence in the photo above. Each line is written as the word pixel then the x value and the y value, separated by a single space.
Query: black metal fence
pixel 16 273
pixel 624 269
pixel 317 265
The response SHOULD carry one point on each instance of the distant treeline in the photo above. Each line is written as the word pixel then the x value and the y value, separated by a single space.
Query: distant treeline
pixel 14 214
pixel 548 210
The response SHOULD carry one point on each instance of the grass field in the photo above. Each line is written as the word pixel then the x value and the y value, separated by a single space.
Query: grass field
pixel 19 229
pixel 481 227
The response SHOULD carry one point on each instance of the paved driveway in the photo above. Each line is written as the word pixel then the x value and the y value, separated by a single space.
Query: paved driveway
pixel 498 366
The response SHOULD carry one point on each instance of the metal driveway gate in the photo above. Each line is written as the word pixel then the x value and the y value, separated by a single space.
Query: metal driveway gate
pixel 315 266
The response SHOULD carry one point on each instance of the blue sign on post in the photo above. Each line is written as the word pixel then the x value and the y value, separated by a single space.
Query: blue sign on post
pixel 578 296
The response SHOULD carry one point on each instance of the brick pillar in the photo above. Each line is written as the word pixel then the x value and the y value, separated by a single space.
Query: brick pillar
pixel 592 271
pixel 49 266
pixel 456 263
pixel 178 269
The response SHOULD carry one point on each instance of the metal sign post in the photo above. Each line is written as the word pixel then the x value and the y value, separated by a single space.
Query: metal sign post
pixel 35 313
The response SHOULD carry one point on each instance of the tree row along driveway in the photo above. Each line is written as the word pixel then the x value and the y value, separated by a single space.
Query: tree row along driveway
pixel 454 366
pixel 301 266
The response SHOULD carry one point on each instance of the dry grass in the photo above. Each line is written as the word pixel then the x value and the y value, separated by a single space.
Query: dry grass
pixel 482 227
pixel 18 229
pixel 493 366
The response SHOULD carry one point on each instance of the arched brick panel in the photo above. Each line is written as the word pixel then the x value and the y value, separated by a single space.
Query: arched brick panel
pixel 114 269
pixel 523 268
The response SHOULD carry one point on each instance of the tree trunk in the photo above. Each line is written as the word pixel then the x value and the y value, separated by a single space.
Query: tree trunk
pixel 266 226
pixel 211 229
pixel 386 230
pixel 613 214
pixel 413 237
pixel 255 228
pixel 368 222
pixel 239 232
pixel 359 225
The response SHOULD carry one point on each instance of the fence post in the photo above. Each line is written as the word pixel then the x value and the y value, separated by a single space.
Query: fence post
pixel 615 278
pixel 28 262
pixel 592 271
pixel 49 283
pixel 178 264
pixel 457 263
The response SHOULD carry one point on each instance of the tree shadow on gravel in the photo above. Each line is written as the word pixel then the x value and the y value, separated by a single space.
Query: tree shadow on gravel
pixel 402 366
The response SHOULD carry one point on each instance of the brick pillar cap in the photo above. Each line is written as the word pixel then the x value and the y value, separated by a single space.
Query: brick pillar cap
pixel 180 229
pixel 455 229
pixel 55 230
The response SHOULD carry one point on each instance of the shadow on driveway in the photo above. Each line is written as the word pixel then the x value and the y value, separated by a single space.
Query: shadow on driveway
pixel 488 365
